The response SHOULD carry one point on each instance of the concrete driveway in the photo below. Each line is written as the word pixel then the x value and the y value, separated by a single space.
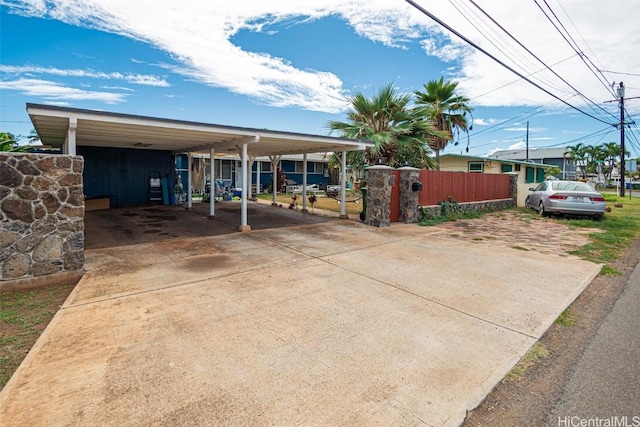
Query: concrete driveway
pixel 334 323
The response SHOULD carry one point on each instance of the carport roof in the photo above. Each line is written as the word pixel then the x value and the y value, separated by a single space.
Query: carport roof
pixel 117 130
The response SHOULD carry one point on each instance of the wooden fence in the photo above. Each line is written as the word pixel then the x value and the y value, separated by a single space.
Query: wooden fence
pixel 438 186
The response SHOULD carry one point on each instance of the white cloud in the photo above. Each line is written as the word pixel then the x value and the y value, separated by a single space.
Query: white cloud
pixel 485 122
pixel 198 33
pixel 54 92
pixel 517 146
pixel 140 79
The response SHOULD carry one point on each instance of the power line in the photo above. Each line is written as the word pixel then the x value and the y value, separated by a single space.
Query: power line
pixel 537 58
pixel 517 80
pixel 573 46
pixel 440 22
pixel 504 47
pixel 620 72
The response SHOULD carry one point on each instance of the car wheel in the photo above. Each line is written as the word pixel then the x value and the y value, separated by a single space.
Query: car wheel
pixel 541 210
pixel 597 217
pixel 527 203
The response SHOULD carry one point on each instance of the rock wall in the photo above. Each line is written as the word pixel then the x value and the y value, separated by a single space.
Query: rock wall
pixel 41 214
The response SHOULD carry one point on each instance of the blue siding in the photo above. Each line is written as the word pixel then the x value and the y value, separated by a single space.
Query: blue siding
pixel 122 174
pixel 289 166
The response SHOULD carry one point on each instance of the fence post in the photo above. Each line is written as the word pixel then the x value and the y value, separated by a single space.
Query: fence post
pixel 379 184
pixel 409 194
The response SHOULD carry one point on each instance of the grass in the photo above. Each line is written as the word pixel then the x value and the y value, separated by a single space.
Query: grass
pixel 614 233
pixel 323 203
pixel 23 317
pixel 535 354
pixel 567 318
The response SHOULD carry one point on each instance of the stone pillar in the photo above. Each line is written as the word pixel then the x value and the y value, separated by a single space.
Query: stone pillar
pixel 513 187
pixel 409 199
pixel 379 184
pixel 41 215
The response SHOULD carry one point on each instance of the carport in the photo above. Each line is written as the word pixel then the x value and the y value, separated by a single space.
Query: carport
pixel 69 128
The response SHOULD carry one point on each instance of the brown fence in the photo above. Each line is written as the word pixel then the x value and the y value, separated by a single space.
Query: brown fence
pixel 438 186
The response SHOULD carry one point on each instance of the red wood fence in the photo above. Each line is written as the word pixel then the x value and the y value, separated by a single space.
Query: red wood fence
pixel 438 186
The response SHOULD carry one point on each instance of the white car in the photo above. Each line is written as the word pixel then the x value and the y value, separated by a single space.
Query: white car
pixel 566 197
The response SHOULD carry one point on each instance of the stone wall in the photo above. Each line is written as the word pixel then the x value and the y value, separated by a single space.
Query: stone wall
pixel 483 206
pixel 41 214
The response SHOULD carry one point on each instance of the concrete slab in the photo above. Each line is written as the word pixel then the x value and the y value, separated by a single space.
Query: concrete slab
pixel 326 324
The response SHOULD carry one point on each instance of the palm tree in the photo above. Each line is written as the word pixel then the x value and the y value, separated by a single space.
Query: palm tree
pixel 388 122
pixel 8 142
pixel 448 111
pixel 578 154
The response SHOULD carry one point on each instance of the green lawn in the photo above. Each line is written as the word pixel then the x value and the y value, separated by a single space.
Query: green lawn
pixel 322 202
pixel 616 230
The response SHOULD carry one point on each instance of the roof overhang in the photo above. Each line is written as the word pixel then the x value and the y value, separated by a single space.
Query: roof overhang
pixel 116 130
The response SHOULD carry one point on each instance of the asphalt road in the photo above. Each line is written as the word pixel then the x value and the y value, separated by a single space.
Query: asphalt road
pixel 604 386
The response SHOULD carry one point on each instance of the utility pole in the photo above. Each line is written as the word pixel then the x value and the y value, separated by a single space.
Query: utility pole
pixel 622 178
pixel 527 141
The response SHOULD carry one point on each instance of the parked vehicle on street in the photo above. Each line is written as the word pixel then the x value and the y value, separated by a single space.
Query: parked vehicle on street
pixel 566 197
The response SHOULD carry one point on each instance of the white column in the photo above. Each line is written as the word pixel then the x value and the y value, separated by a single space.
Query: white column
pixel 203 165
pixel 343 186
pixel 304 182
pixel 187 185
pixel 212 187
pixel 274 180
pixel 244 226
pixel 70 140
pixel 258 171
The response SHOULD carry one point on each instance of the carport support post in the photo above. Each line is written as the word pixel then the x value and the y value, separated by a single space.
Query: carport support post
pixel 274 180
pixel 343 187
pixel 187 185
pixel 244 226
pixel 409 199
pixel 212 184
pixel 304 183
pixel 379 185
pixel 258 171
pixel 70 140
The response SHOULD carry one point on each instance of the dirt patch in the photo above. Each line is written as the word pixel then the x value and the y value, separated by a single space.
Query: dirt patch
pixel 23 317
pixel 519 230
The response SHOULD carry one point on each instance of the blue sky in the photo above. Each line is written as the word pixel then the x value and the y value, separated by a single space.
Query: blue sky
pixel 287 66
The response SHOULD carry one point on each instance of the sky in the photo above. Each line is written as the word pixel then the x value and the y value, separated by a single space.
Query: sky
pixel 291 65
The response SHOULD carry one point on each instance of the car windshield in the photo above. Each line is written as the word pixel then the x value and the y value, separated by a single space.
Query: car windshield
pixel 572 186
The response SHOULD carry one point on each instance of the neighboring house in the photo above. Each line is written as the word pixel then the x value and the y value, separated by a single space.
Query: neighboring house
pixel 529 173
pixel 554 156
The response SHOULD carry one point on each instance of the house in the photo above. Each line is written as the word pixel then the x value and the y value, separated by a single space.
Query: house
pixel 228 169
pixel 554 156
pixel 529 173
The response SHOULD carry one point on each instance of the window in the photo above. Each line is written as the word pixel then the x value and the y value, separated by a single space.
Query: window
pixel 299 167
pixel 476 167
pixel 539 175
pixel 318 167
pixel 225 169
pixel 541 187
pixel 506 168
pixel 265 166
pixel 529 174
pixel 517 168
